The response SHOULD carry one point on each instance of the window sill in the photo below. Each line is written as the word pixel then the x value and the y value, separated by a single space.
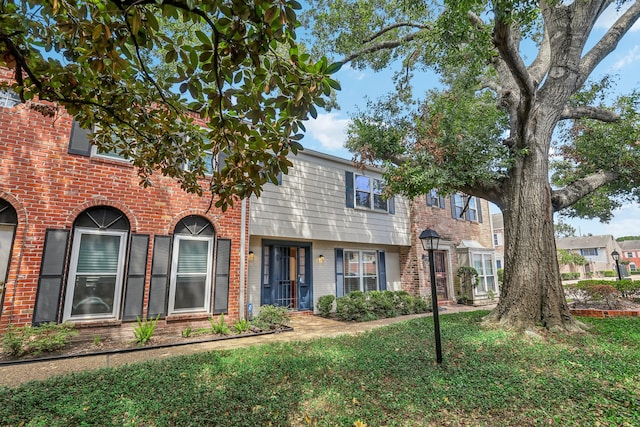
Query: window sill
pixel 181 317
pixel 112 161
pixel 82 324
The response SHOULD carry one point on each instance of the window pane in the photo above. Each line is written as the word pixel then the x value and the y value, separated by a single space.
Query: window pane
pixel 477 264
pixel 362 183
pixel 98 254
pixel 6 239
pixel 488 266
pixel 192 256
pixel 190 291
pixel 379 202
pixel 370 284
pixel 491 283
pixel 93 294
pixel 363 200
pixel 351 263
pixel 208 163
pixel 351 284
pixel 378 186
pixel 369 263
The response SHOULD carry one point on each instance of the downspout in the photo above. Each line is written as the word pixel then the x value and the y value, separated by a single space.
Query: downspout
pixel 243 250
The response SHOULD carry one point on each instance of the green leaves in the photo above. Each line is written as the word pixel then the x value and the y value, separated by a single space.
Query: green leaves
pixel 140 71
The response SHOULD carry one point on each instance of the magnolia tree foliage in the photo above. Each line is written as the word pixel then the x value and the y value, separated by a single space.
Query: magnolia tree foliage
pixel 512 118
pixel 165 82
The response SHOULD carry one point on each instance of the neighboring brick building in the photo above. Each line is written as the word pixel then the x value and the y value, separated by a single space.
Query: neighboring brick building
pixel 630 252
pixel 81 240
pixel 465 241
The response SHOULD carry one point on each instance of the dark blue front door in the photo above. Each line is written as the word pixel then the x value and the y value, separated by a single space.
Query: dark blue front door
pixel 287 276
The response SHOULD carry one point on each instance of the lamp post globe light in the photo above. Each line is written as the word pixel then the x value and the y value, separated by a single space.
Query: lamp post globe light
pixel 616 257
pixel 430 239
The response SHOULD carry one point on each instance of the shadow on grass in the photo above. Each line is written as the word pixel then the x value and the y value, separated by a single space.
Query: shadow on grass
pixel 387 376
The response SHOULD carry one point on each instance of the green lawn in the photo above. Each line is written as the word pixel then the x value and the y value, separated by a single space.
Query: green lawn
pixel 383 378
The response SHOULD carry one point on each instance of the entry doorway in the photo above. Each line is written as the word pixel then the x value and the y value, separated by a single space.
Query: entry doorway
pixel 442 288
pixel 286 275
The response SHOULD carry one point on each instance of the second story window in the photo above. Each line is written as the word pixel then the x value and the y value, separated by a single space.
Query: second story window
pixel 369 193
pixel 8 98
pixel 589 251
pixel 465 207
pixel 434 199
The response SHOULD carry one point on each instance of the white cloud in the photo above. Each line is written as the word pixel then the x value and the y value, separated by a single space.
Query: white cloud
pixel 632 56
pixel 609 17
pixel 329 130
pixel 355 74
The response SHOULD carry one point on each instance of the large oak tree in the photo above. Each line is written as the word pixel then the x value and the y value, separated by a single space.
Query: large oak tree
pixel 533 136
pixel 170 83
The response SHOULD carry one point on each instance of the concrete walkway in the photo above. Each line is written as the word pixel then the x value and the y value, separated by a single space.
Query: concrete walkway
pixel 304 328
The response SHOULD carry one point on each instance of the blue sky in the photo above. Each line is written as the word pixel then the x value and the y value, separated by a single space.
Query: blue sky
pixel 328 132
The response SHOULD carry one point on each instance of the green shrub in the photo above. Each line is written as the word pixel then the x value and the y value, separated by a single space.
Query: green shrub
pixel 242 325
pixel 145 329
pixel 325 305
pixel 570 276
pixel 186 333
pixel 373 305
pixel 271 317
pixel 18 341
pixel 219 327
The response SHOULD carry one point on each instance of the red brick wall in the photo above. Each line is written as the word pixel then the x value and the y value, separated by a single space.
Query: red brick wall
pixel 49 188
pixel 415 275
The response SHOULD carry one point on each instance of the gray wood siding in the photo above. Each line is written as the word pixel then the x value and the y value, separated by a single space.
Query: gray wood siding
pixel 310 204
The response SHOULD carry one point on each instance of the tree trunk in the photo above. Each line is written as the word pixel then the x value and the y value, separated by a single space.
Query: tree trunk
pixel 532 294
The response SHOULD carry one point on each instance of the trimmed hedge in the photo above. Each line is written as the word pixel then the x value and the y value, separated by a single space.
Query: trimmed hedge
pixel 373 305
pixel 570 276
pixel 603 290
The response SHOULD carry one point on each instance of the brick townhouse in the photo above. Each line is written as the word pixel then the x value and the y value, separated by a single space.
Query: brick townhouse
pixel 82 241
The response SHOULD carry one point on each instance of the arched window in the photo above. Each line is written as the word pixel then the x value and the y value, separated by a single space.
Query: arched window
pixel 8 223
pixel 96 269
pixel 192 266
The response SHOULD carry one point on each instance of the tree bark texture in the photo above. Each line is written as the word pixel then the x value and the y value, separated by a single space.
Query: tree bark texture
pixel 532 294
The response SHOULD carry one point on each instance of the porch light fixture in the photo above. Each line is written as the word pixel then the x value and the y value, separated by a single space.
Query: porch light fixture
pixel 321 259
pixel 430 239
pixel 251 256
pixel 616 257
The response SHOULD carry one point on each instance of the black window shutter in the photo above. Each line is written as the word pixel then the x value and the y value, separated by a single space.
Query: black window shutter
pixel 348 178
pixel 339 273
pixel 79 142
pixel 221 288
pixel 392 205
pixel 479 210
pixel 382 271
pixel 136 274
pixel 160 268
pixel 54 254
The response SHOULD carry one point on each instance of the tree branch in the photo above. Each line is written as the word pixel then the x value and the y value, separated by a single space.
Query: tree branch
pixel 390 44
pixel 507 44
pixel 609 41
pixel 540 66
pixel 393 27
pixel 573 192
pixel 589 113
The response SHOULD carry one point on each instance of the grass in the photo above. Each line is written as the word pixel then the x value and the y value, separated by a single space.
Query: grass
pixel 386 377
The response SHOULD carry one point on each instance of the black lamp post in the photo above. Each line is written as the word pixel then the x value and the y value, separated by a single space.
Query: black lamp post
pixel 616 257
pixel 429 239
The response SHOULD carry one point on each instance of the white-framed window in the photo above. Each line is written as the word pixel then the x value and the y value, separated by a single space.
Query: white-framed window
pixel 483 263
pixel 632 266
pixel 8 98
pixel 629 254
pixel 192 266
pixel 96 274
pixel 589 251
pixel 369 193
pixel 434 199
pixel 96 265
pixel 458 204
pixel 113 154
pixel 360 271
pixel 472 210
pixel 496 239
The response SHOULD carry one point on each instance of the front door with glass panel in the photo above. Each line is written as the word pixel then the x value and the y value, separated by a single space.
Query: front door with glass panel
pixel 440 258
pixel 287 276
